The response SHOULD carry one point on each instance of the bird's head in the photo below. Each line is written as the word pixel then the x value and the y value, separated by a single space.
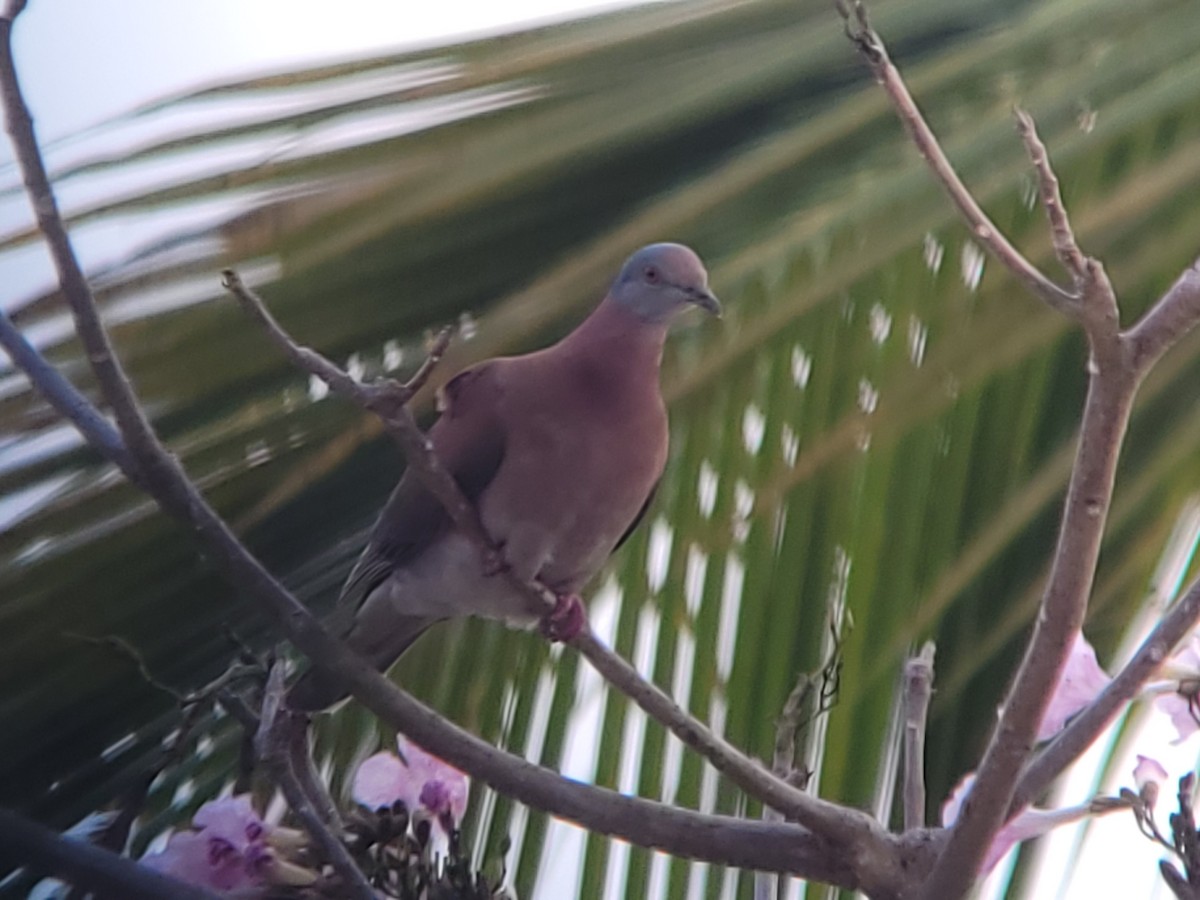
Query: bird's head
pixel 661 280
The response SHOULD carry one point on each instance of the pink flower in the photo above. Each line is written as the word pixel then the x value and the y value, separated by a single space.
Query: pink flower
pixel 1183 706
pixel 234 820
pixel 209 862
pixel 1082 680
pixel 1029 823
pixel 1148 771
pixel 230 851
pixel 424 783
pixel 1148 774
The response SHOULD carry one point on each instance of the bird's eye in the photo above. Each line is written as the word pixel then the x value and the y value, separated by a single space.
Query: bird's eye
pixel 651 275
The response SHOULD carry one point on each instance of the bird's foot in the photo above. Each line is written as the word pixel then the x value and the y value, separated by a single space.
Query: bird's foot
pixel 494 562
pixel 565 621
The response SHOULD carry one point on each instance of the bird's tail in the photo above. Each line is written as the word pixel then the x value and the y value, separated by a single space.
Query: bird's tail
pixel 315 690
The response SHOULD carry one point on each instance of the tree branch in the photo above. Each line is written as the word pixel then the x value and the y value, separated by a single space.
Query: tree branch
pixel 26 843
pixel 272 731
pixel 1063 607
pixel 872 861
pixel 769 787
pixel 874 53
pixel 1061 233
pixel 918 689
pixel 1084 728
pixel 1174 315
pixel 114 385
pixel 388 400
pixel 1114 378
pixel 66 399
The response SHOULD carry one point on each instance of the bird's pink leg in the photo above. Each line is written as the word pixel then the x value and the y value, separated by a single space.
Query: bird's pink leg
pixel 494 562
pixel 566 619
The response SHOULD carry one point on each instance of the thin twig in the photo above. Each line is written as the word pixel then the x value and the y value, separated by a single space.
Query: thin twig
pixel 388 399
pixel 380 395
pixel 918 689
pixel 303 765
pixel 135 429
pixel 874 53
pixel 746 773
pixel 66 399
pixel 115 835
pixel 271 737
pixel 795 707
pixel 192 705
pixel 128 651
pixel 1063 236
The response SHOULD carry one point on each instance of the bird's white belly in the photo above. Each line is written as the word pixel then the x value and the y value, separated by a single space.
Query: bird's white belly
pixel 448 579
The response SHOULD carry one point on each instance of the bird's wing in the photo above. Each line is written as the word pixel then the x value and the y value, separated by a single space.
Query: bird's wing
pixel 637 520
pixel 469 440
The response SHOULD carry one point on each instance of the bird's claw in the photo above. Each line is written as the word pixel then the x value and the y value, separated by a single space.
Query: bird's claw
pixel 565 621
pixel 494 562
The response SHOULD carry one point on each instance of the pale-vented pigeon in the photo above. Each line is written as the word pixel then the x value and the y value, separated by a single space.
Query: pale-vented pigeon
pixel 560 451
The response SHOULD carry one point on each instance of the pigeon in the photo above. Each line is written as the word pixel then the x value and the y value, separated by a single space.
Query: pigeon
pixel 559 450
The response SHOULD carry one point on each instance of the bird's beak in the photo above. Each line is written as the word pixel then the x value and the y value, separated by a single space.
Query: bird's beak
pixel 706 300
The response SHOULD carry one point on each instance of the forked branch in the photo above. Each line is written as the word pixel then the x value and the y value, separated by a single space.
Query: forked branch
pixel 1118 363
pixel 872 50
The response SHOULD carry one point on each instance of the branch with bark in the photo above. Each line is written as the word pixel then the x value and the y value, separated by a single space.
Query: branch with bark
pixel 1119 360
pixel 840 846
pixel 918 690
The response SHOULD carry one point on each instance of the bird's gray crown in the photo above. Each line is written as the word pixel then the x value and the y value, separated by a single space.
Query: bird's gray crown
pixel 660 280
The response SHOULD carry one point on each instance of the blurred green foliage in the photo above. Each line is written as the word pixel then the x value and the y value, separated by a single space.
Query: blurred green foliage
pixel 883 418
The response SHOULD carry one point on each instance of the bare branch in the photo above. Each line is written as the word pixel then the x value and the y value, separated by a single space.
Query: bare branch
pixel 306 772
pixel 918 689
pixel 1113 382
pixel 66 399
pixel 1174 315
pixel 1084 728
pixel 274 732
pixel 790 720
pixel 874 53
pixel 1065 246
pixel 125 649
pixel 138 437
pixel 379 396
pixel 823 817
pixel 26 843
pixel 388 399
pixel 1064 604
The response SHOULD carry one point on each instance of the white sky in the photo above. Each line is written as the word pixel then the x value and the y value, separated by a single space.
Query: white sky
pixel 82 60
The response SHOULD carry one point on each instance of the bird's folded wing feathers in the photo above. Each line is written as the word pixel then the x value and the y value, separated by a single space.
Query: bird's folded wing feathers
pixel 637 520
pixel 469 439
